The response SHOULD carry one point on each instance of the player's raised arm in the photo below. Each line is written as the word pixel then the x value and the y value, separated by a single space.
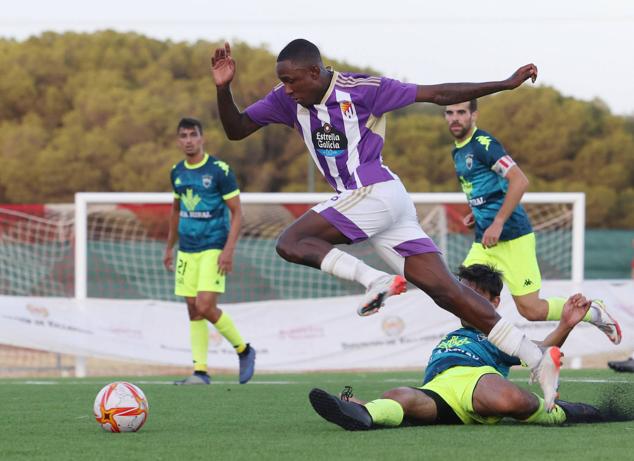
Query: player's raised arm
pixel 237 124
pixel 454 93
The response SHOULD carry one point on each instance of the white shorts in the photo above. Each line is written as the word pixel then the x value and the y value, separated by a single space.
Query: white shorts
pixel 382 213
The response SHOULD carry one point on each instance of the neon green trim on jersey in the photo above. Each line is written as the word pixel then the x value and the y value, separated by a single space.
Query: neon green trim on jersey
pixel 197 165
pixel 466 141
pixel 231 194
pixel 223 166
pixel 467 187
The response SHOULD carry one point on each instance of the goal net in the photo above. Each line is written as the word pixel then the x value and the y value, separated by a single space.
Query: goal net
pixel 110 245
pixel 120 239
pixel 120 253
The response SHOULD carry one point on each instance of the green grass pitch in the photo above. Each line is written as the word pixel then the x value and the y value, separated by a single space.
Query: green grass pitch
pixel 271 418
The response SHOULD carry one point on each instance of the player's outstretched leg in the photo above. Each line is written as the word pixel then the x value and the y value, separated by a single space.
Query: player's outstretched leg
pixel 378 291
pixel 605 322
pixel 348 415
pixel 310 241
pixel 430 273
pixel 580 412
pixel 247 364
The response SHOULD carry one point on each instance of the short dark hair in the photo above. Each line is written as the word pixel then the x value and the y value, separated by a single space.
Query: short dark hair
pixel 483 276
pixel 300 50
pixel 473 105
pixel 190 122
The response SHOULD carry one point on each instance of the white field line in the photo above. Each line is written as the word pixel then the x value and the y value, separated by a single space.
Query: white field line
pixel 289 382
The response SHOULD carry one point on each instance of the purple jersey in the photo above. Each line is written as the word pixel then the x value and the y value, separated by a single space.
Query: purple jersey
pixel 345 132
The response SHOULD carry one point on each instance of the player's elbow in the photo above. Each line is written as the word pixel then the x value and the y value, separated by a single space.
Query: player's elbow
pixel 235 135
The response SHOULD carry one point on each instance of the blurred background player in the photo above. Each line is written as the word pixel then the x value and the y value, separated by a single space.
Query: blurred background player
pixel 205 219
pixel 341 118
pixel 494 185
pixel 465 380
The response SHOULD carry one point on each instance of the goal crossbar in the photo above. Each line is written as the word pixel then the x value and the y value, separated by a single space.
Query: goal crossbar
pixel 83 199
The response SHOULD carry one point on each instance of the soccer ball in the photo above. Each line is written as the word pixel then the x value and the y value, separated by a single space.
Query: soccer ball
pixel 121 407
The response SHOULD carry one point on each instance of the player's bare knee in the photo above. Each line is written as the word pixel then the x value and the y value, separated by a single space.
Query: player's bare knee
pixel 401 394
pixel 512 401
pixel 203 309
pixel 286 248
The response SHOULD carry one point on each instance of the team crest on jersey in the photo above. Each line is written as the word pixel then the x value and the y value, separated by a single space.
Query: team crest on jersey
pixel 468 160
pixel 347 109
pixel 329 141
pixel 207 180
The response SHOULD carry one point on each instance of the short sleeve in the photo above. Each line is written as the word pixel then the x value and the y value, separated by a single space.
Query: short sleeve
pixel 271 109
pixel 227 183
pixel 492 154
pixel 393 94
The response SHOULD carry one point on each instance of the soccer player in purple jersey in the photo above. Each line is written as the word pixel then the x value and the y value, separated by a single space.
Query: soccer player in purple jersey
pixel 341 117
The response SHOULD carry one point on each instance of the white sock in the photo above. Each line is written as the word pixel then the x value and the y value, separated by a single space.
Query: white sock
pixel 511 340
pixel 346 266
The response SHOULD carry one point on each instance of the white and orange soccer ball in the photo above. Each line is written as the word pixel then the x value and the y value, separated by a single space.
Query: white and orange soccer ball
pixel 121 407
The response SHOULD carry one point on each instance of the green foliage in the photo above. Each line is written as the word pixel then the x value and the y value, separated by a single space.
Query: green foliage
pixel 97 112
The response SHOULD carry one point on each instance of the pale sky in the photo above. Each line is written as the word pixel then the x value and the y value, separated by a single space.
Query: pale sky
pixel 584 49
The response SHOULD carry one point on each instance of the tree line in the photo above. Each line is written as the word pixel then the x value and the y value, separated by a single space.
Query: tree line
pixel 97 112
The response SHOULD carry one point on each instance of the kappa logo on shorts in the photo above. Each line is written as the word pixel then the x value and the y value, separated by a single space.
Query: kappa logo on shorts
pixel 528 282
pixel 329 141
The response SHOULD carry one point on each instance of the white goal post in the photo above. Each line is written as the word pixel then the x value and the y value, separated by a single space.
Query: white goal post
pixel 106 252
pixel 572 212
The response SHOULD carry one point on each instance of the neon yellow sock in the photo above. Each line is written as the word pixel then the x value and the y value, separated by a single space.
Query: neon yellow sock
pixel 227 328
pixel 385 412
pixel 555 308
pixel 557 416
pixel 199 337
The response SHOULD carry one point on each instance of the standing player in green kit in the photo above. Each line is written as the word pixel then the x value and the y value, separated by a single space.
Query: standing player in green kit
pixel 205 219
pixel 494 185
